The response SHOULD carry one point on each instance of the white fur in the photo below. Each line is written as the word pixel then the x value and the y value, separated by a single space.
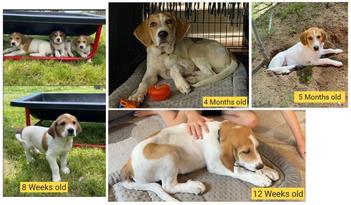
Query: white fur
pixel 194 154
pixel 83 49
pixel 37 47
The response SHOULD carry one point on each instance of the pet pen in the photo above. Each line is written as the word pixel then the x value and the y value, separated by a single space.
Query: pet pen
pixel 72 23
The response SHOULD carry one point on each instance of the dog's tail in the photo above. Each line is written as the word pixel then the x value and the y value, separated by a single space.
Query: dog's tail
pixel 220 76
pixel 154 187
pixel 19 134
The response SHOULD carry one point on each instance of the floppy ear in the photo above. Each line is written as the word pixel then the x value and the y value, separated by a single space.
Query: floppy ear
pixel 303 38
pixel 142 34
pixel 51 34
pixel 181 29
pixel 90 40
pixel 324 35
pixel 79 128
pixel 227 156
pixel 52 129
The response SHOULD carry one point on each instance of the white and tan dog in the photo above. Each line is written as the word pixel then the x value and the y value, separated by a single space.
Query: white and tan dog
pixel 55 141
pixel 57 42
pixel 306 52
pixel 80 44
pixel 185 60
pixel 227 149
pixel 22 45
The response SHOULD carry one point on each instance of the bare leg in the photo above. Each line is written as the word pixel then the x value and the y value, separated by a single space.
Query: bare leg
pixel 170 117
pixel 247 118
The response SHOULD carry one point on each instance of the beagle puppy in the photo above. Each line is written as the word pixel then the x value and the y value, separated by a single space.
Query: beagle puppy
pixel 227 149
pixel 306 52
pixel 80 44
pixel 185 60
pixel 57 42
pixel 55 141
pixel 22 45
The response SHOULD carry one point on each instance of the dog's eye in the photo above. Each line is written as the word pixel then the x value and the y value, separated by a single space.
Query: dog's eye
pixel 310 38
pixel 62 123
pixel 153 24
pixel 84 41
pixel 168 21
pixel 74 122
pixel 246 151
pixel 17 38
pixel 318 37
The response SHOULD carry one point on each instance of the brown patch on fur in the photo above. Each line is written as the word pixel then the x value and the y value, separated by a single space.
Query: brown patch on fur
pixel 44 141
pixel 182 28
pixel 142 33
pixel 19 130
pixel 156 151
pixel 233 139
pixel 127 171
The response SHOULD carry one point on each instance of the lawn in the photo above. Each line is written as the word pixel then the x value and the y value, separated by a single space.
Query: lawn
pixel 87 177
pixel 51 72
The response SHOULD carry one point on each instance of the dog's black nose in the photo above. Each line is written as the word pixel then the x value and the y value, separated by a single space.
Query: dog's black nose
pixel 259 166
pixel 12 43
pixel 316 48
pixel 70 130
pixel 162 34
pixel 81 47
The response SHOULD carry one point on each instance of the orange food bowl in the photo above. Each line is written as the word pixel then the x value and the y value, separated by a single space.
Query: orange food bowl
pixel 159 92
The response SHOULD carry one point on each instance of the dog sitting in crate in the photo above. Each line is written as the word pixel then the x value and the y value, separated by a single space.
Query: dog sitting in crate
pixel 187 61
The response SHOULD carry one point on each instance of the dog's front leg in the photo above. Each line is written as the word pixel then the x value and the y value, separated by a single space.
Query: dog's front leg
pixel 327 61
pixel 179 81
pixel 57 53
pixel 270 173
pixel 51 157
pixel 331 51
pixel 63 160
pixel 148 80
pixel 9 50
pixel 16 53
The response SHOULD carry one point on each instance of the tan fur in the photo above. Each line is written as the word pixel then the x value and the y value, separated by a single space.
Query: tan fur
pixel 23 40
pixel 142 33
pixel 44 141
pixel 313 32
pixel 156 151
pixel 127 172
pixel 234 140
pixel 19 130
pixel 182 28
pixel 58 125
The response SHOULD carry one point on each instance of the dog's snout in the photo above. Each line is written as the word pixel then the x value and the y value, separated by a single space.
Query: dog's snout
pixel 12 43
pixel 70 130
pixel 162 34
pixel 316 48
pixel 81 47
pixel 259 166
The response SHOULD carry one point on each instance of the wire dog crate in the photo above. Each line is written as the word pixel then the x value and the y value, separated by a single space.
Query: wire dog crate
pixel 226 23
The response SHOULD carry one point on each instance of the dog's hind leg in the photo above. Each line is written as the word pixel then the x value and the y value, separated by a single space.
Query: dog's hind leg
pixel 171 185
pixel 54 166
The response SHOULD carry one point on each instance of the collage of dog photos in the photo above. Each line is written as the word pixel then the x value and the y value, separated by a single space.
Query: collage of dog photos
pixel 107 101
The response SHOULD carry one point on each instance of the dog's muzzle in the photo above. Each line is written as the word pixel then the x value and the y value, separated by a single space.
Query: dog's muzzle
pixel 70 131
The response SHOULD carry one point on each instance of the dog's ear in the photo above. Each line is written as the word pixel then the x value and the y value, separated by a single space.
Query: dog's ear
pixel 79 128
pixel 227 156
pixel 51 34
pixel 181 28
pixel 90 40
pixel 52 129
pixel 142 33
pixel 303 38
pixel 323 35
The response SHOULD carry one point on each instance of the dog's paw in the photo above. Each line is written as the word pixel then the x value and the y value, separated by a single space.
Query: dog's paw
pixel 261 180
pixel 56 178
pixel 136 97
pixel 337 51
pixel 195 187
pixel 337 63
pixel 192 79
pixel 270 173
pixel 65 170
pixel 183 87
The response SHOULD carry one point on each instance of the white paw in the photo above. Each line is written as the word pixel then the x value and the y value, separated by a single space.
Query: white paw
pixel 338 64
pixel 261 180
pixel 337 51
pixel 270 173
pixel 136 97
pixel 56 178
pixel 65 170
pixel 195 187
pixel 192 79
pixel 183 87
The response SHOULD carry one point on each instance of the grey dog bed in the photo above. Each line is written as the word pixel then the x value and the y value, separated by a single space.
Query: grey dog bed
pixel 127 131
pixel 233 85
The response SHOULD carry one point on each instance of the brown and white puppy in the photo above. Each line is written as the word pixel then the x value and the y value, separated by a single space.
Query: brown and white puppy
pixel 185 60
pixel 227 149
pixel 80 44
pixel 23 45
pixel 57 42
pixel 55 141
pixel 306 52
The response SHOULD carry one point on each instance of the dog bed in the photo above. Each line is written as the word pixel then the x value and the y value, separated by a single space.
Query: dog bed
pixel 127 131
pixel 233 85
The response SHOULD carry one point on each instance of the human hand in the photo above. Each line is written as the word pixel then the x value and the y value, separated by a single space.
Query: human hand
pixel 197 123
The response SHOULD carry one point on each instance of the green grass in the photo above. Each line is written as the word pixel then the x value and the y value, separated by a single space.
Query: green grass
pixel 87 177
pixel 52 72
